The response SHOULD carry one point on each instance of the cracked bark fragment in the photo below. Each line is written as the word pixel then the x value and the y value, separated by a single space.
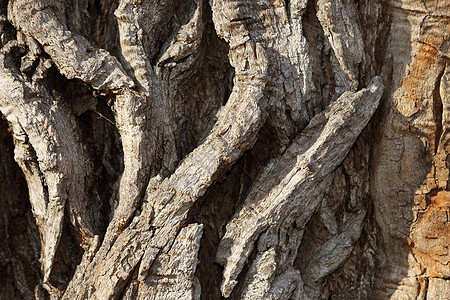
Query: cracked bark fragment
pixel 288 285
pixel 335 251
pixel 74 56
pixel 271 275
pixel 262 271
pixel 318 151
pixel 131 42
pixel 186 44
pixel 279 26
pixel 285 238
pixel 172 274
pixel 344 36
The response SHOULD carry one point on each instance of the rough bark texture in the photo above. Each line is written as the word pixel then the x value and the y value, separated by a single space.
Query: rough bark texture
pixel 254 149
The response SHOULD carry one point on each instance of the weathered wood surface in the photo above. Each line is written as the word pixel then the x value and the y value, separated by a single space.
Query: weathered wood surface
pixel 204 149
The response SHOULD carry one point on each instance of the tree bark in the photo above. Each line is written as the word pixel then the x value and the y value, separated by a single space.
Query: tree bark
pixel 224 149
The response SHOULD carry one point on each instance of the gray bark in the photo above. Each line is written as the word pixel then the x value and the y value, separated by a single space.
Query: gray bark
pixel 224 149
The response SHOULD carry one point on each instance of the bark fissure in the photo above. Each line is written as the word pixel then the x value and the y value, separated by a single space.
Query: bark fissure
pixel 438 110
pixel 48 137
pixel 155 134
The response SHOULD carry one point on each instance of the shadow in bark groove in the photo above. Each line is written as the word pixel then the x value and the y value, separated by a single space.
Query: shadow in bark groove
pixel 218 206
pixel 276 139
pixel 19 237
pixel 94 20
pixel 102 141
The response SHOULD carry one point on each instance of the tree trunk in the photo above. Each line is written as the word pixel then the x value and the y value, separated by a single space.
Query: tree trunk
pixel 246 149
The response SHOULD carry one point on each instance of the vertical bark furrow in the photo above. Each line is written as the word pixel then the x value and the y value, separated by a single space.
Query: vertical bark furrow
pixel 338 19
pixel 49 151
pixel 20 244
pixel 172 275
pixel 131 110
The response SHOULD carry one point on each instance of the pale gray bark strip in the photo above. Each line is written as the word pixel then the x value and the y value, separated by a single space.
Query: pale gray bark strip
pixel 337 20
pixel 49 152
pixel 168 203
pixel 172 275
pixel 146 119
pixel 74 56
pixel 317 152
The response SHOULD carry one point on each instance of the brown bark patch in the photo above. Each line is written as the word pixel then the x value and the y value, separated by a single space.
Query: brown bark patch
pixel 420 71
pixel 431 236
pixel 417 94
